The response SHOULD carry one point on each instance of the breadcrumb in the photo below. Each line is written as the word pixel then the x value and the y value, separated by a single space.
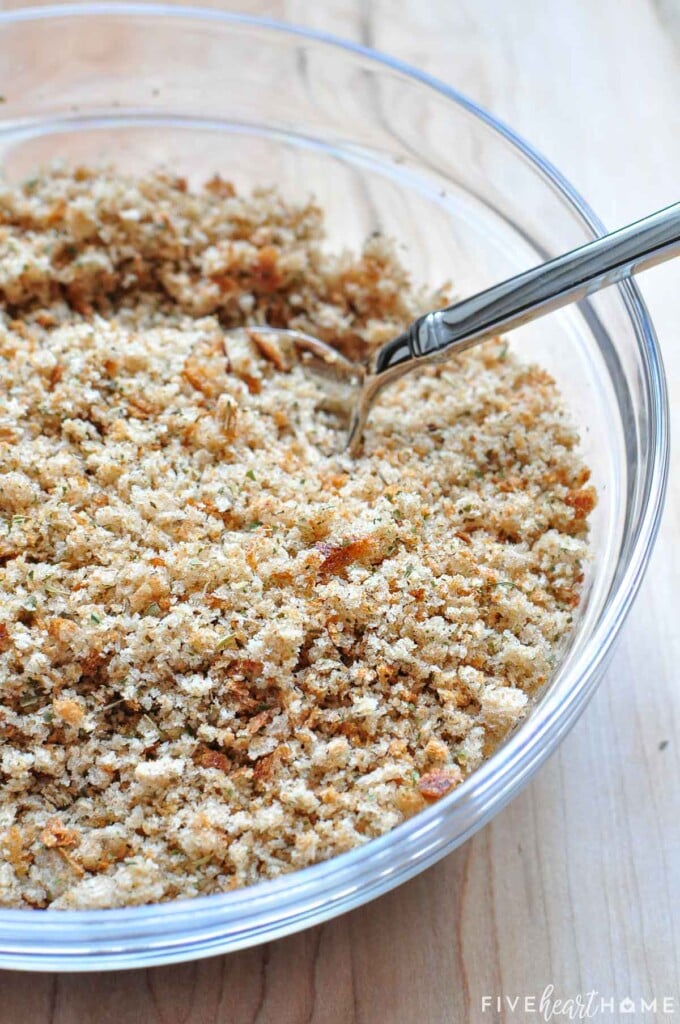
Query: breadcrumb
pixel 225 651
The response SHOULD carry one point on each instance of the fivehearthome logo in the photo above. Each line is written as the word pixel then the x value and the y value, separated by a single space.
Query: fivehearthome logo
pixel 582 1006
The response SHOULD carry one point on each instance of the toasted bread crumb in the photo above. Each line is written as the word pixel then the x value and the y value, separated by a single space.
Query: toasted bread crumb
pixel 225 651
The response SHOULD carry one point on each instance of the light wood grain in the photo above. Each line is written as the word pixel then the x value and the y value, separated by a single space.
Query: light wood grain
pixel 577 883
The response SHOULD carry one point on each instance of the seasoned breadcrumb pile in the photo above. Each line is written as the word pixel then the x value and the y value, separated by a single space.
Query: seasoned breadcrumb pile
pixel 225 651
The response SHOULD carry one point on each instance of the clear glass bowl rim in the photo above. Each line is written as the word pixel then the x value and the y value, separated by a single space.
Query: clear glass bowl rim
pixel 189 929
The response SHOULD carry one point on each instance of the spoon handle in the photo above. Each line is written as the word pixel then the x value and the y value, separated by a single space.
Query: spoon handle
pixel 437 336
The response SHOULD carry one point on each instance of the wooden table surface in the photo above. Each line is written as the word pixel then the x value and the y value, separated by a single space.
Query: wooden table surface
pixel 576 883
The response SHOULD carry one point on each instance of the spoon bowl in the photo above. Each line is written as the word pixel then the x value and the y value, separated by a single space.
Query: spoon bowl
pixel 341 380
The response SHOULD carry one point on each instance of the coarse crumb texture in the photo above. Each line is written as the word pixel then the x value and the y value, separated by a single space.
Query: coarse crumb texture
pixel 225 651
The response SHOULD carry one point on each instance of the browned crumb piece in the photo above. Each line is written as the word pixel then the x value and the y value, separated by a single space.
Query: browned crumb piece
pixel 56 834
pixel 438 782
pixel 226 653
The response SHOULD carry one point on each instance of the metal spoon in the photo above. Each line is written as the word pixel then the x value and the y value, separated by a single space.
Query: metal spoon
pixel 437 336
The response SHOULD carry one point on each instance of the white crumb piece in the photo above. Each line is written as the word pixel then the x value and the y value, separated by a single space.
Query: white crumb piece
pixel 17 492
pixel 502 706
pixel 159 774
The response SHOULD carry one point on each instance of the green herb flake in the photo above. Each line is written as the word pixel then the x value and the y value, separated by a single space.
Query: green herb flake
pixel 201 861
pixel 54 591
pixel 250 474
pixel 95 618
pixel 408 571
pixel 254 525
pixel 226 641
pixel 151 609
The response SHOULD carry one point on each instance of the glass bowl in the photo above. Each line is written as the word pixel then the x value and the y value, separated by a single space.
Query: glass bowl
pixel 381 146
